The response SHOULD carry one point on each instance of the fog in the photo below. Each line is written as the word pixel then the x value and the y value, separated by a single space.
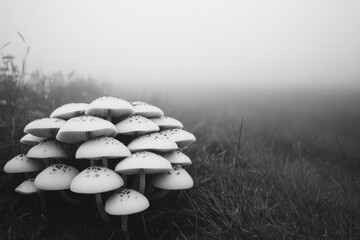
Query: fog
pixel 190 45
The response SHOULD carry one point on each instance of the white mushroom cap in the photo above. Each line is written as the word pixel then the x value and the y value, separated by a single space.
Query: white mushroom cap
pixel 165 122
pixel 44 127
pixel 27 187
pixel 176 179
pixel 150 162
pixel 22 164
pixel 177 157
pixel 47 149
pixel 181 137
pixel 56 177
pixel 125 202
pixel 147 110
pixel 32 140
pixel 136 125
pixel 69 110
pixel 84 128
pixel 152 141
pixel 96 179
pixel 109 106
pixel 104 147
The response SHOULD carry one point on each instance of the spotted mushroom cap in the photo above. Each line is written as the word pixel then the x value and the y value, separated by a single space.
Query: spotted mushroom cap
pixel 177 157
pixel 150 162
pixel 32 140
pixel 103 147
pixel 84 128
pixel 27 187
pixel 175 179
pixel 96 179
pixel 125 202
pixel 181 137
pixel 147 110
pixel 22 164
pixel 44 127
pixel 166 122
pixel 47 149
pixel 56 177
pixel 69 110
pixel 136 125
pixel 109 106
pixel 153 141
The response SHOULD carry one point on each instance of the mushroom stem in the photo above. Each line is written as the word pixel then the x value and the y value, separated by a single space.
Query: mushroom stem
pixel 124 226
pixel 142 181
pixel 92 162
pixel 47 162
pixel 43 204
pixel 100 208
pixel 68 199
pixel 105 162
pixel 158 195
pixel 124 177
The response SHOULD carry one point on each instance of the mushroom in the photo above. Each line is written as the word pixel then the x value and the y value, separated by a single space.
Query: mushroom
pixel 44 127
pixel 182 138
pixel 166 122
pixel 136 125
pixel 109 107
pixel 175 179
pixel 153 141
pixel 57 177
pixel 84 128
pixel 143 163
pixel 28 187
pixel 47 150
pixel 95 180
pixel 69 110
pixel 31 140
pixel 22 164
pixel 177 157
pixel 125 202
pixel 147 110
pixel 102 148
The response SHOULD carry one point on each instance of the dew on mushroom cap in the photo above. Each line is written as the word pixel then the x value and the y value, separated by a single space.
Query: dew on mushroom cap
pixel 125 202
pixel 136 125
pixel 103 147
pixel 109 106
pixel 96 179
pixel 27 187
pixel 56 177
pixel 84 128
pixel 181 137
pixel 152 141
pixel 22 164
pixel 69 110
pixel 44 127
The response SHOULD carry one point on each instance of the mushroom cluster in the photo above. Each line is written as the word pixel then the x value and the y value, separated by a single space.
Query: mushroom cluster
pixel 131 149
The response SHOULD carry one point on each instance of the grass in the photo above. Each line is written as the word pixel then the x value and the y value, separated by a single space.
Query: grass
pixel 269 174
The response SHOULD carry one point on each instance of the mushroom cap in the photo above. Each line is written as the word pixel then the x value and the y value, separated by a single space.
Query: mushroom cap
pixel 84 128
pixel 96 179
pixel 44 127
pixel 31 140
pixel 177 157
pixel 22 164
pixel 109 106
pixel 152 141
pixel 181 137
pixel 136 125
pixel 166 122
pixel 103 147
pixel 150 162
pixel 147 110
pixel 27 187
pixel 69 110
pixel 175 179
pixel 47 149
pixel 125 202
pixel 56 177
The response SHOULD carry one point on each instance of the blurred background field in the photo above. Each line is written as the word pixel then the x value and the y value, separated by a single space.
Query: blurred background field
pixel 267 164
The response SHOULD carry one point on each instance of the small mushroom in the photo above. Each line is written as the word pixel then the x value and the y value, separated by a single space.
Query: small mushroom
pixel 177 157
pixel 166 122
pixel 147 110
pixel 31 140
pixel 47 150
pixel 152 142
pixel 22 164
pixel 69 110
pixel 136 125
pixel 44 127
pixel 182 138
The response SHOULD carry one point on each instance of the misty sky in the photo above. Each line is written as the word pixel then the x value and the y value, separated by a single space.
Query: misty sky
pixel 236 43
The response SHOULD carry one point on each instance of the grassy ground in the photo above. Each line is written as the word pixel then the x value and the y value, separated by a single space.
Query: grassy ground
pixel 269 179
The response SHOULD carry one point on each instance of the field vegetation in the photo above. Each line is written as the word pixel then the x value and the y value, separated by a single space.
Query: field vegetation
pixel 262 168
